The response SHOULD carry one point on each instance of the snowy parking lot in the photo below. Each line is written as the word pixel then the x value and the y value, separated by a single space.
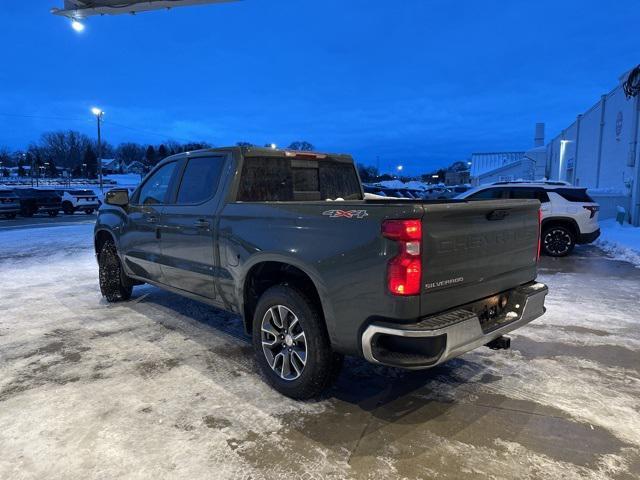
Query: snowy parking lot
pixel 165 387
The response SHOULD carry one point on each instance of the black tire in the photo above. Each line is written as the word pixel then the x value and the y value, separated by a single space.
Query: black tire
pixel 115 286
pixel 67 208
pixel 558 241
pixel 89 211
pixel 53 213
pixel 321 366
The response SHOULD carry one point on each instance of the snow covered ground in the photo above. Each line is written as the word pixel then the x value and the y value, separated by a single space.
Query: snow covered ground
pixel 621 241
pixel 165 387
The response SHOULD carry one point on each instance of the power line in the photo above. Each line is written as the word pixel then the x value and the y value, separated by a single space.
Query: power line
pixel 148 132
pixel 44 117
pixel 135 129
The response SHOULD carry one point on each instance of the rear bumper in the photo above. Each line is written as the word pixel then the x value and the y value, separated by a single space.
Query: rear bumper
pixel 434 340
pixel 588 237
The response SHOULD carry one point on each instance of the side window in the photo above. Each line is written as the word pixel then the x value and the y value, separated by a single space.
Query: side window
pixel 200 179
pixel 541 195
pixel 528 193
pixel 574 194
pixel 155 189
pixel 489 194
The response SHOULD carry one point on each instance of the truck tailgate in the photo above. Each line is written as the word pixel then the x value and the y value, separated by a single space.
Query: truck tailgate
pixel 474 250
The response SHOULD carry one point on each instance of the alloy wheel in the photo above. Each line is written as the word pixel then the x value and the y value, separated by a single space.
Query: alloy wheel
pixel 284 342
pixel 557 241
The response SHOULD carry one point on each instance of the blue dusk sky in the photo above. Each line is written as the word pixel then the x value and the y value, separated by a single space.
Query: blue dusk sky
pixel 415 82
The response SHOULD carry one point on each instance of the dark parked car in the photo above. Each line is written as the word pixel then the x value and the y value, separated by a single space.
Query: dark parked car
pixel 9 203
pixel 33 200
pixel 260 232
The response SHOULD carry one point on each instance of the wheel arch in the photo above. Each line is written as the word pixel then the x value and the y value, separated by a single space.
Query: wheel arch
pixel 100 238
pixel 566 222
pixel 266 273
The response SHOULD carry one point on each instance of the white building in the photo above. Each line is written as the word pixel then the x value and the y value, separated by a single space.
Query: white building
pixel 599 151
pixel 509 166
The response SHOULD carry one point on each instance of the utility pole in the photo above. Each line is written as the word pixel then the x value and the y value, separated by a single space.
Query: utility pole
pixel 99 114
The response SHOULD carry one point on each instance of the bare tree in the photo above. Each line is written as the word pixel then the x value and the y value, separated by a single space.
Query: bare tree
pixel 63 148
pixel 127 153
pixel 302 146
pixel 6 159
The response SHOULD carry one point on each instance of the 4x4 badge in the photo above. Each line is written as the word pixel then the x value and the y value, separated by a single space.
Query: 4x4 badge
pixel 345 213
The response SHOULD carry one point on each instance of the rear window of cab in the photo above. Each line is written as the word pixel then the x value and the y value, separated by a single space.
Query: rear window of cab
pixel 282 179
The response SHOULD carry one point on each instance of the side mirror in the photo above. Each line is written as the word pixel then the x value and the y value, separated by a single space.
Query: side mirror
pixel 118 197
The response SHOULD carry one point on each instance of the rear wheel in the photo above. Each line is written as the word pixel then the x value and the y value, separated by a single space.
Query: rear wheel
pixel 53 213
pixel 115 286
pixel 558 241
pixel 291 344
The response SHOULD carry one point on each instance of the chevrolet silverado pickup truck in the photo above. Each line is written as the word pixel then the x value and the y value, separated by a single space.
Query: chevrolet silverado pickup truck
pixel 289 242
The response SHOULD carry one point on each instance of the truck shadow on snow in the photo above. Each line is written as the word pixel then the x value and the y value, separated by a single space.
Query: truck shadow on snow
pixel 360 383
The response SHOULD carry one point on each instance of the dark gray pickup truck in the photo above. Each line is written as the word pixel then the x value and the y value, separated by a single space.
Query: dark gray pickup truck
pixel 289 241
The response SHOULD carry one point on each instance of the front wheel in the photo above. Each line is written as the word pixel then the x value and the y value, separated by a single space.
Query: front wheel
pixel 558 241
pixel 291 344
pixel 115 286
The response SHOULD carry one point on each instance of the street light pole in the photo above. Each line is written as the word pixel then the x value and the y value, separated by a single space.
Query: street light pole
pixel 99 114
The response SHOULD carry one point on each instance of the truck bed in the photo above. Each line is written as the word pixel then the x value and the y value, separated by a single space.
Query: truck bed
pixel 466 255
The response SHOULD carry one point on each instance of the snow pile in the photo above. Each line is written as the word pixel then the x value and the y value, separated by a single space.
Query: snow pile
pixel 125 179
pixel 412 184
pixel 621 241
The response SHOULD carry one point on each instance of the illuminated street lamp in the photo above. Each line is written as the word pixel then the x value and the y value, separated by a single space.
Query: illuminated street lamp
pixel 77 25
pixel 99 114
pixel 399 168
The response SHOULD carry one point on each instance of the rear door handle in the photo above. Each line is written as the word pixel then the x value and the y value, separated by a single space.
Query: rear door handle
pixel 202 224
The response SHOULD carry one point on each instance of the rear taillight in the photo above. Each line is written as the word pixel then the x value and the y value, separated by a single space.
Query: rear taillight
pixel 404 273
pixel 539 234
pixel 593 209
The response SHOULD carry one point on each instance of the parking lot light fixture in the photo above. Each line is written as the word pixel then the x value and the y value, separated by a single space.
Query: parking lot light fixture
pixel 273 146
pixel 99 114
pixel 77 25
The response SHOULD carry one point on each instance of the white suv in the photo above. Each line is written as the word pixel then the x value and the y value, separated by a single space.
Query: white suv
pixel 569 214
pixel 75 200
